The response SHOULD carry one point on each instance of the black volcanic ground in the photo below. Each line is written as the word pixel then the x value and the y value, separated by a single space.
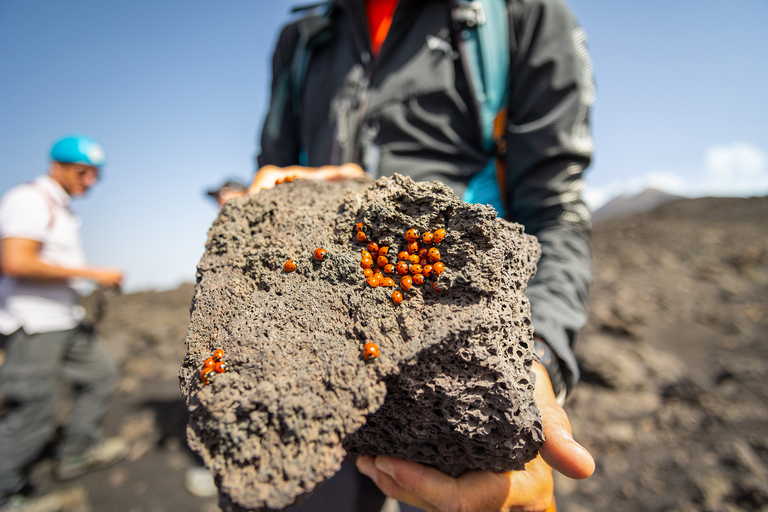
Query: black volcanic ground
pixel 673 402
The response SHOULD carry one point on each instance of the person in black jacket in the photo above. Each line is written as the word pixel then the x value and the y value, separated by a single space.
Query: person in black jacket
pixel 346 100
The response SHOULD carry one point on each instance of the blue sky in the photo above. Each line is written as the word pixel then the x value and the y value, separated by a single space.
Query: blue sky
pixel 176 92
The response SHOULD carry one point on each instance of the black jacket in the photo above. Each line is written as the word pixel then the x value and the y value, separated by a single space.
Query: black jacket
pixel 411 111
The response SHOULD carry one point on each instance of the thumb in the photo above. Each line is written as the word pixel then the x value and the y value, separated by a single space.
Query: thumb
pixel 559 450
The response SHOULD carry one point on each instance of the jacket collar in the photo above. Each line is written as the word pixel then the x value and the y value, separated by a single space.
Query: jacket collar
pixel 355 11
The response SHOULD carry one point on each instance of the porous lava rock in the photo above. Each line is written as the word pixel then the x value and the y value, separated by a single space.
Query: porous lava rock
pixel 452 386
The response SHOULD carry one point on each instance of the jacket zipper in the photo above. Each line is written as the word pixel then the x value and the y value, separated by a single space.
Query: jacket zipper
pixel 364 93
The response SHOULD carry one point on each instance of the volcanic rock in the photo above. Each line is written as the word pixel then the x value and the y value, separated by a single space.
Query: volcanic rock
pixel 451 388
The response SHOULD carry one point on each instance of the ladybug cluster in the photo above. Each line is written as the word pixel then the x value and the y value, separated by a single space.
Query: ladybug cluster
pixel 414 264
pixel 287 179
pixel 411 266
pixel 212 366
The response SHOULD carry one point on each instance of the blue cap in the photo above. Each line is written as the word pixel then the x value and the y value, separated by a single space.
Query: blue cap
pixel 78 149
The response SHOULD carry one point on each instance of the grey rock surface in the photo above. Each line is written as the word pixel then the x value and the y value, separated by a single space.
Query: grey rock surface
pixel 452 387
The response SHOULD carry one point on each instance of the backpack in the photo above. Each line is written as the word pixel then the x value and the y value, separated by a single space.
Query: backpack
pixel 484 39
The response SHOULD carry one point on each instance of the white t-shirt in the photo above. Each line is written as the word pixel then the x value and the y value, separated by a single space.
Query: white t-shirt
pixel 40 211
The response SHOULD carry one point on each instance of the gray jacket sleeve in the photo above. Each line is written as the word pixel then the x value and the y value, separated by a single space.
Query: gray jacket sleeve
pixel 548 147
pixel 280 133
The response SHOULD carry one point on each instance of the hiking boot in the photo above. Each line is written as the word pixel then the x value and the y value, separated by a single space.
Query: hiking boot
pixel 11 503
pixel 70 500
pixel 102 454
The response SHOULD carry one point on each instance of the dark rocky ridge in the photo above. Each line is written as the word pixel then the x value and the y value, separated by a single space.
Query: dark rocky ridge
pixel 673 401
pixel 679 304
pixel 452 386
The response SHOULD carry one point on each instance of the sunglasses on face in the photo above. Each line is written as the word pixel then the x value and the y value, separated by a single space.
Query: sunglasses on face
pixel 86 171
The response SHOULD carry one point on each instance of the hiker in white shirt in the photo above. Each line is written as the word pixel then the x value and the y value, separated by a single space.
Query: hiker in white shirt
pixel 41 259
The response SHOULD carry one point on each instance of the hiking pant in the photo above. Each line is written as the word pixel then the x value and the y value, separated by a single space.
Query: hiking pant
pixel 30 378
pixel 347 491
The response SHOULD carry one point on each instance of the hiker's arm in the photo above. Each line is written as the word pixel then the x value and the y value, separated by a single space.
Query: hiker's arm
pixel 20 258
pixel 485 491
pixel 266 176
pixel 280 135
pixel 548 148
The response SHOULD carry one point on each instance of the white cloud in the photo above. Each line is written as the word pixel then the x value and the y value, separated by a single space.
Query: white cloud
pixel 738 169
pixel 739 159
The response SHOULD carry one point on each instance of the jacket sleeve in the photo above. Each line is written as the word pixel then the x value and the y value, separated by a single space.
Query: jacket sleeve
pixel 548 148
pixel 280 134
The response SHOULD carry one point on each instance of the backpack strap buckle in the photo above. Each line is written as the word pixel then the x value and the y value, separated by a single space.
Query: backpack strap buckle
pixel 469 13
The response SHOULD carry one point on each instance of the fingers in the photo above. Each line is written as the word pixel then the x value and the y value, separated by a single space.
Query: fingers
pixel 342 172
pixel 559 450
pixel 411 483
pixel 477 491
pixel 266 176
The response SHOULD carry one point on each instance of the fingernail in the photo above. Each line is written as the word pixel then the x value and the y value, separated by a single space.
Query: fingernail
pixel 365 465
pixel 587 461
pixel 384 465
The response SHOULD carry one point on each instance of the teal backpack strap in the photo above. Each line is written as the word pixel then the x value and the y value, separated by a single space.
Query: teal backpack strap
pixel 315 28
pixel 485 39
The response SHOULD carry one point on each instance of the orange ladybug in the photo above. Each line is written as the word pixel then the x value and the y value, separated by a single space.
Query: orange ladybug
pixel 289 266
pixel 413 248
pixel 370 350
pixel 389 268
pixel 205 375
pixel 438 268
pixel 423 252
pixel 418 279
pixel 218 354
pixel 220 367
pixel 367 272
pixel 434 285
pixel 403 255
pixel 406 282
pixel 366 255
pixel 361 236
pixel 208 363
pixel 382 261
pixel 412 235
pixel 414 258
pixel 373 281
pixel 416 269
pixel 366 263
pixel 383 250
pixel 427 270
pixel 434 254
pixel 397 297
pixel 427 238
pixel 387 281
pixel 438 236
pixel 359 226
pixel 402 268
pixel 320 253
pixel 373 247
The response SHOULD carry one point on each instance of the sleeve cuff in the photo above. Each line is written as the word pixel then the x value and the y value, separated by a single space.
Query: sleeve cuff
pixel 549 360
